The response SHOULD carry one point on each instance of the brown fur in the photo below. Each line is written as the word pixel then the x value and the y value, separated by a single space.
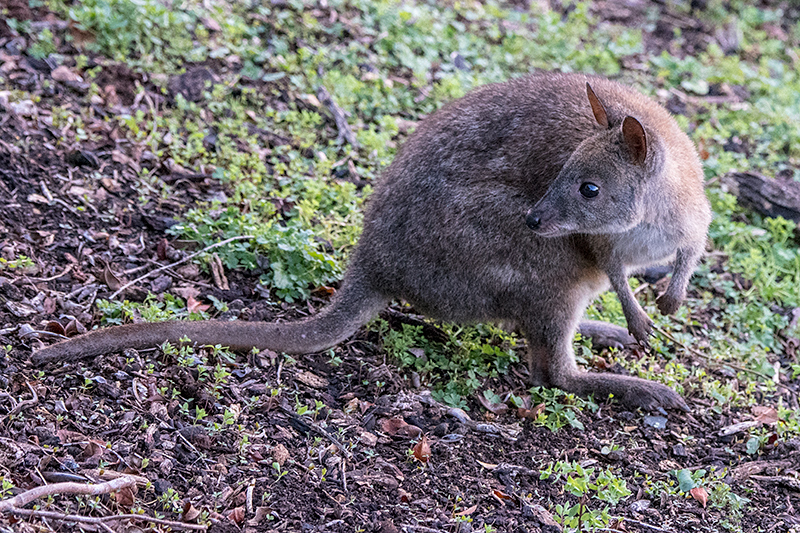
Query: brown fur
pixel 445 229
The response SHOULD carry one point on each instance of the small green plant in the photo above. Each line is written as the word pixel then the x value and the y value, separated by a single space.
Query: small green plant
pixel 42 45
pixel 334 360
pixel 560 408
pixel 142 29
pixel 586 484
pixel 457 367
pixel 171 500
pixel 22 262
pixel 720 495
pixel 5 487
pixel 151 310
pixel 279 471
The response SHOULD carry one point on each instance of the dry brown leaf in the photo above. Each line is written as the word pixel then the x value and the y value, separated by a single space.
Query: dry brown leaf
pixel 368 439
pixel 74 327
pixel 63 73
pixel 93 449
pixel 124 159
pixel 188 271
pixel 80 37
pixel 66 436
pixel 237 515
pixel 125 497
pixel 312 380
pixel 55 327
pixel 190 512
pixel 323 291
pixel 501 495
pixel 495 408
pixel 422 450
pixel 468 511
pixel 410 431
pixel 280 454
pixel 113 281
pixel 49 305
pixel 765 415
pixel 186 292
pixel 351 406
pixel 211 24
pixel 530 414
pixel 392 425
pixel 194 306
pixel 260 514
pixel 700 494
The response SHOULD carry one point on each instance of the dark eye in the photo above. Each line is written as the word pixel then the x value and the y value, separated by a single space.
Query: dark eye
pixel 589 190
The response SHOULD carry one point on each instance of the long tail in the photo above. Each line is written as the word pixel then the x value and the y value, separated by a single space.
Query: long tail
pixel 352 307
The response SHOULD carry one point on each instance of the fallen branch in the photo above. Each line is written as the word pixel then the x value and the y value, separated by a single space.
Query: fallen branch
pixel 345 132
pixel 21 500
pixel 176 263
pixel 103 519
pixel 770 197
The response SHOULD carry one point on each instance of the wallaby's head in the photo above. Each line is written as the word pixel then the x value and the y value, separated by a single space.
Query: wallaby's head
pixel 600 188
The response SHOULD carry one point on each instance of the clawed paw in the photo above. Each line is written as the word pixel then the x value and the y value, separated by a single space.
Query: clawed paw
pixel 641 328
pixel 651 396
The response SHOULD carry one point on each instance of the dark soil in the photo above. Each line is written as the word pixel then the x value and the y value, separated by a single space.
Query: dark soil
pixel 74 208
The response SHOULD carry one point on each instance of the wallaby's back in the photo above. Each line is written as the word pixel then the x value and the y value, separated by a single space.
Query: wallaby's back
pixel 444 230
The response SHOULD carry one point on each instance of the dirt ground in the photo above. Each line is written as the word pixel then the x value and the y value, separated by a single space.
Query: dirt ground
pixel 347 464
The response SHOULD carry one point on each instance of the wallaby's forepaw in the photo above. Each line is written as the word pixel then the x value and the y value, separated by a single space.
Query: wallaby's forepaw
pixel 641 328
pixel 652 396
pixel 668 304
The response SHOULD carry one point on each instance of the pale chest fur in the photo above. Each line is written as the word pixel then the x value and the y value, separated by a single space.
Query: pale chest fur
pixel 646 245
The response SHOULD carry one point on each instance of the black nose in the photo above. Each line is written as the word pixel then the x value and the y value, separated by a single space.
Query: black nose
pixel 532 220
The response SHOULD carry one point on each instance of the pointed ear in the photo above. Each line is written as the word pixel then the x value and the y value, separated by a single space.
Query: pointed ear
pixel 598 109
pixel 635 139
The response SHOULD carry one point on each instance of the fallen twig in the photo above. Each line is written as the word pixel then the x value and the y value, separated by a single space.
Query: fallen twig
pixel 100 520
pixel 422 529
pixel 64 272
pixel 176 263
pixel 112 474
pixel 21 500
pixel 25 403
pixel 318 430
pixel 345 132
pixel 645 525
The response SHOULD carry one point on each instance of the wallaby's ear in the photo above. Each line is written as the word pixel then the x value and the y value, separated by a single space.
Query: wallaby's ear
pixel 635 139
pixel 598 109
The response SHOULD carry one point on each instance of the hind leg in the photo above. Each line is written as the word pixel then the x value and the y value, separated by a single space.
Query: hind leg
pixel 538 366
pixel 550 345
